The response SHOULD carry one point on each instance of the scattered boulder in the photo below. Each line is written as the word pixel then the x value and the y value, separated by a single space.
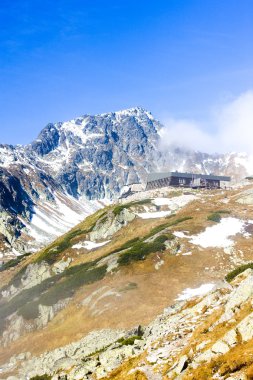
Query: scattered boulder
pixel 220 347
pixel 108 226
pixel 238 296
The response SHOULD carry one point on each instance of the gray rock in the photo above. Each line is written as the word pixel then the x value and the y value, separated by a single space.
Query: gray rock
pixel 61 265
pixel 220 347
pixel 182 364
pixel 239 296
pixel 112 224
pixel 230 338
pixel 245 328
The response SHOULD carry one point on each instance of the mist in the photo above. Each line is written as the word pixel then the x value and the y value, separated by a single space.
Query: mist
pixel 228 128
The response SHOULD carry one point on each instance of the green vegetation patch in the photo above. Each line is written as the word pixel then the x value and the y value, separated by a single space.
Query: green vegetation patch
pixel 126 245
pixel 140 250
pixel 14 262
pixel 129 341
pixel 52 253
pixel 164 237
pixel 41 377
pixel 216 216
pixel 117 210
pixel 231 275
pixel 163 226
pixel 52 290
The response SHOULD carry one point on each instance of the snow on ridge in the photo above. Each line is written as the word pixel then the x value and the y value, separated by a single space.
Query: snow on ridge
pixel 180 234
pixel 175 203
pixel 194 292
pixel 153 215
pixel 87 244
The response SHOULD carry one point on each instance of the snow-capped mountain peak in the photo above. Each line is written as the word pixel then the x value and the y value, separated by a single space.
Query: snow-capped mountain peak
pixel 92 157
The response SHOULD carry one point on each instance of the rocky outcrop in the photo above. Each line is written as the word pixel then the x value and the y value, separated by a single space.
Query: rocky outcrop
pixel 18 326
pixel 239 295
pixel 78 354
pixel 33 275
pixel 107 226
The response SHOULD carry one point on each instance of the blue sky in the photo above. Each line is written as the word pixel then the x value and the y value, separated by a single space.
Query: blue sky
pixel 64 58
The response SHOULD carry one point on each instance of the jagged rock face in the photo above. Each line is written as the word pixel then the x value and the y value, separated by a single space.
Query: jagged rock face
pixel 95 156
pixel 91 158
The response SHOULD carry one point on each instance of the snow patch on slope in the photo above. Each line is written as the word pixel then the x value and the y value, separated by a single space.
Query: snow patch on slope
pixel 51 220
pixel 189 292
pixel 218 235
pixel 153 215
pixel 175 202
pixel 87 244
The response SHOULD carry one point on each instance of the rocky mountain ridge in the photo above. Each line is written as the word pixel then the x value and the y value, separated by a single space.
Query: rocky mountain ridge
pixel 74 165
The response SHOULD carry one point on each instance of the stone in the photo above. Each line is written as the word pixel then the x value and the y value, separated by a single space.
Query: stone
pixel 107 228
pixel 182 364
pixel 61 265
pixel 202 345
pixel 238 296
pixel 220 347
pixel 245 328
pixel 206 356
pixel 230 338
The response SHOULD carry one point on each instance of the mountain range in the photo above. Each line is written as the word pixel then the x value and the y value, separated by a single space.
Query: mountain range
pixel 74 168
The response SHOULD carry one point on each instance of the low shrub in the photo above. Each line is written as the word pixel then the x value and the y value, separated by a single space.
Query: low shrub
pixel 52 253
pixel 126 245
pixel 140 251
pixel 129 341
pixel 215 217
pixel 41 377
pixel 14 262
pixel 162 227
pixel 231 275
pixel 117 210
pixel 164 237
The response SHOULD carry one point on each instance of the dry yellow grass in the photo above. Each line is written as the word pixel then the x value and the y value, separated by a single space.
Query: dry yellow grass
pixel 239 358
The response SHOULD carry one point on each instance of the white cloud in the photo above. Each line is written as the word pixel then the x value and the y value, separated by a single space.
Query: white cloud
pixel 186 134
pixel 232 129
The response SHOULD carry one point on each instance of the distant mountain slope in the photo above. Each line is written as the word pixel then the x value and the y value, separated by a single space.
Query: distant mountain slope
pixel 72 165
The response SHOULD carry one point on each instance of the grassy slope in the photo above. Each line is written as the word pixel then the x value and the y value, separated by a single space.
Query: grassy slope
pixel 73 322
